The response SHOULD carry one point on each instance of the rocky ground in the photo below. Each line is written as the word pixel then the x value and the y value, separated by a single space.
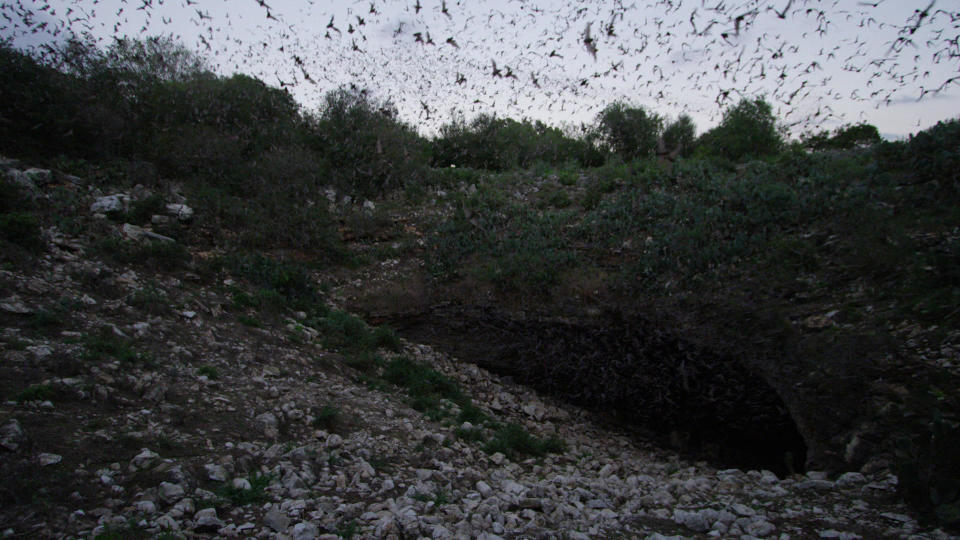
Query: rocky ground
pixel 138 404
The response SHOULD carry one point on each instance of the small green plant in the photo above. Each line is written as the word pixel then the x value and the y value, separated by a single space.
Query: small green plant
pixel 347 530
pixel 513 439
pixel 141 211
pixel 106 343
pixel 37 392
pixel 22 229
pixel 471 435
pixel 348 333
pixel 363 361
pixel 151 299
pixel 328 418
pixel 256 494
pixel 439 498
pixel 160 255
pixel 208 371
pixel 247 320
pixel 45 319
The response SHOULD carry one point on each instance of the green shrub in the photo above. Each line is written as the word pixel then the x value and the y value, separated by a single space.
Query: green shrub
pixel 843 138
pixel 328 418
pixel 499 144
pixel 256 494
pixel 929 477
pixel 932 155
pixel 421 380
pixel 513 440
pixel 680 134
pixel 105 343
pixel 22 229
pixel 142 210
pixel 629 131
pixel 470 435
pixel 747 130
pixel 151 299
pixel 13 197
pixel 247 320
pixel 37 392
pixel 158 255
pixel 368 148
pixel 208 371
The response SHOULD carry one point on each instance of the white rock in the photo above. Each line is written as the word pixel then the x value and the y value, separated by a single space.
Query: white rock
pixel 14 305
pixel 269 423
pixel 11 435
pixel 305 531
pixel 39 177
pixel 840 535
pixel 181 211
pixel 241 483
pixel 45 459
pixel 276 520
pixel 110 203
pixel 135 233
pixel 334 441
pixel 760 528
pixel 146 507
pixel 171 492
pixel 512 487
pixel 167 521
pixel 851 479
pixel 146 458
pixel 40 351
pixel 207 519
pixel 700 521
pixel 484 489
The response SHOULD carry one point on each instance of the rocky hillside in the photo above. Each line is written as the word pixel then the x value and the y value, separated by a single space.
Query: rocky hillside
pixel 157 390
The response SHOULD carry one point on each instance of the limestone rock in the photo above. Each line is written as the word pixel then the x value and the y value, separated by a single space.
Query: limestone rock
pixel 110 203
pixel 12 435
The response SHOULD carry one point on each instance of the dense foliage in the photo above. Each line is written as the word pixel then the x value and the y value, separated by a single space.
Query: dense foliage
pixel 747 130
pixel 499 144
pixel 630 132
pixel 843 138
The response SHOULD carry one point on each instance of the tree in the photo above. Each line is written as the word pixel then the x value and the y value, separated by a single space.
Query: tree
pixel 843 138
pixel 362 139
pixel 681 133
pixel 631 132
pixel 748 130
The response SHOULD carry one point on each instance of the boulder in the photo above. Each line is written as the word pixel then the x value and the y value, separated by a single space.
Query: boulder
pixel 110 203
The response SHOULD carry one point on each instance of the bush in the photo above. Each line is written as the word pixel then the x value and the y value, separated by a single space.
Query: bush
pixel 934 155
pixel 748 130
pixel 681 133
pixel 328 418
pixel 513 440
pixel 499 144
pixel 630 132
pixel 368 148
pixel 256 494
pixel 843 138
pixel 39 106
pixel 160 255
pixel 22 229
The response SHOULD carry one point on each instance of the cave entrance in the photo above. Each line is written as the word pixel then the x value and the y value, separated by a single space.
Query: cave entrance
pixel 707 406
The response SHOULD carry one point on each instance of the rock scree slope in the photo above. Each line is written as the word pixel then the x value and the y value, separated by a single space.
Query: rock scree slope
pixel 142 401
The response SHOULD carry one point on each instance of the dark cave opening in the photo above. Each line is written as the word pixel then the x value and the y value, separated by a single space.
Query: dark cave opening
pixel 704 405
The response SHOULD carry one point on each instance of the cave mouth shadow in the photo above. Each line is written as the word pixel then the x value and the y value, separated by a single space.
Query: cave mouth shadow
pixel 704 405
